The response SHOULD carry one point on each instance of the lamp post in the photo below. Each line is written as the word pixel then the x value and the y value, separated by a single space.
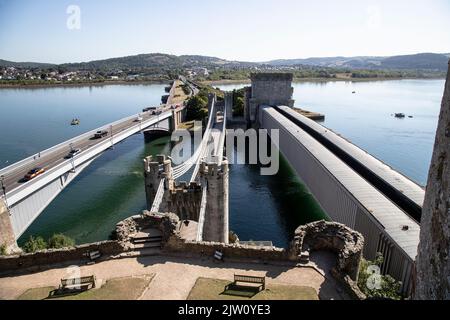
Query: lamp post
pixel 111 136
pixel 2 182
pixel 72 161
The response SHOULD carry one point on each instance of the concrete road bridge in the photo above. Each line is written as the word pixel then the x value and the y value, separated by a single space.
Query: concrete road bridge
pixel 23 201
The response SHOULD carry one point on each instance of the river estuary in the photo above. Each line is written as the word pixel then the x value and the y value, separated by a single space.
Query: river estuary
pixel 261 207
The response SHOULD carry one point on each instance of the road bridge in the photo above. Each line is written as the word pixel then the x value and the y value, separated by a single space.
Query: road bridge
pixel 23 200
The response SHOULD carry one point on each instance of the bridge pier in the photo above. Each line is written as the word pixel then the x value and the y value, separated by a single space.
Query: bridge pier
pixel 7 236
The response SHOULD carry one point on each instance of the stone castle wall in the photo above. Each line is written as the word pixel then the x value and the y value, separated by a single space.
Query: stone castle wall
pixel 432 263
pixel 44 259
pixel 331 236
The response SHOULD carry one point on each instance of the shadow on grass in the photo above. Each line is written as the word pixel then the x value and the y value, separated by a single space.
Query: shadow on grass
pixel 240 291
pixel 62 293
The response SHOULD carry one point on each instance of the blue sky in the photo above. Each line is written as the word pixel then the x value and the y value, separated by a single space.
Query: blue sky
pixel 246 30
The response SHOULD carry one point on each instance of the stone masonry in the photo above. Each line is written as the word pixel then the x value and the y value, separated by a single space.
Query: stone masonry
pixel 216 226
pixel 268 89
pixel 332 236
pixel 184 199
pixel 7 237
pixel 432 263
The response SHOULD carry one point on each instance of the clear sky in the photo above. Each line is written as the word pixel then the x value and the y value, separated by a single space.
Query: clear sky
pixel 245 30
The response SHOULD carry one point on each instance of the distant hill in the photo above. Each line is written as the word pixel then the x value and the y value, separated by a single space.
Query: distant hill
pixel 159 61
pixel 5 63
pixel 421 61
pixel 155 60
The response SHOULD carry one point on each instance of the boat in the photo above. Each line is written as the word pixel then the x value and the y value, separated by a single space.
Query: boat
pixel 75 122
pixel 399 115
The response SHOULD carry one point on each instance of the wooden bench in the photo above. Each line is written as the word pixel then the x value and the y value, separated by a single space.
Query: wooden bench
pixel 218 256
pixel 93 255
pixel 241 281
pixel 78 283
pixel 154 239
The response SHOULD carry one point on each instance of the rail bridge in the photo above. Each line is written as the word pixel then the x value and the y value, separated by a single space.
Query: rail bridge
pixel 23 201
pixel 350 185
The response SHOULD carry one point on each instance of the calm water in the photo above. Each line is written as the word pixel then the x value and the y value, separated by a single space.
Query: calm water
pixel 365 118
pixel 261 207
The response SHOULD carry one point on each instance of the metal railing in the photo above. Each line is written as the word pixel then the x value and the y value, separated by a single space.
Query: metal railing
pixel 103 145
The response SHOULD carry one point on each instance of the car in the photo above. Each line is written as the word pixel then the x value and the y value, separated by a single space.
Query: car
pixel 138 119
pixel 100 134
pixel 156 112
pixel 73 153
pixel 33 173
pixel 148 109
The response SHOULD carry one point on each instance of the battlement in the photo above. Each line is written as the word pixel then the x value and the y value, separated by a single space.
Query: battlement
pixel 213 168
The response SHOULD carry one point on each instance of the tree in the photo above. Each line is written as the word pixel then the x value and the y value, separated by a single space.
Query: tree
pixel 34 244
pixel 375 285
pixel 60 241
pixel 3 250
pixel 194 108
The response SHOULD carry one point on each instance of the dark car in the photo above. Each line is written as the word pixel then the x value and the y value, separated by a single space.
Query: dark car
pixel 33 173
pixel 148 109
pixel 73 153
pixel 100 134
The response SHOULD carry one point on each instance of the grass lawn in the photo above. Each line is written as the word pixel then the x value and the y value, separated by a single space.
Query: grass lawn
pixel 214 289
pixel 129 288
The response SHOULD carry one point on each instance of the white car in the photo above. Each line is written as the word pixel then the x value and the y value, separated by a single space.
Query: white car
pixel 139 118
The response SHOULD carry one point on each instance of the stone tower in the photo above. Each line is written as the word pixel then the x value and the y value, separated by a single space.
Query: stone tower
pixel 432 263
pixel 268 89
pixel 216 226
pixel 154 171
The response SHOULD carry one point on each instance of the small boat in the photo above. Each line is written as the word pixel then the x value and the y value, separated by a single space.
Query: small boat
pixel 75 122
pixel 399 115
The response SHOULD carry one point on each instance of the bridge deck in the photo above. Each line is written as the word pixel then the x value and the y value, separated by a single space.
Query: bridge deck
pixel 13 177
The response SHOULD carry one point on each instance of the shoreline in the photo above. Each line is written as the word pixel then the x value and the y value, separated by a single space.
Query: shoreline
pixel 298 80
pixel 83 84
pixel 206 82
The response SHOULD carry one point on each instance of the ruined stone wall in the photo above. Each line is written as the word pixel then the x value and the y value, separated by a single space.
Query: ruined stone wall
pixel 44 259
pixel 331 236
pixel 184 199
pixel 432 263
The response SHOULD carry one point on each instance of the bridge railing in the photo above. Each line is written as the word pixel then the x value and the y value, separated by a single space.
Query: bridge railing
pixel 64 144
pixel 181 169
